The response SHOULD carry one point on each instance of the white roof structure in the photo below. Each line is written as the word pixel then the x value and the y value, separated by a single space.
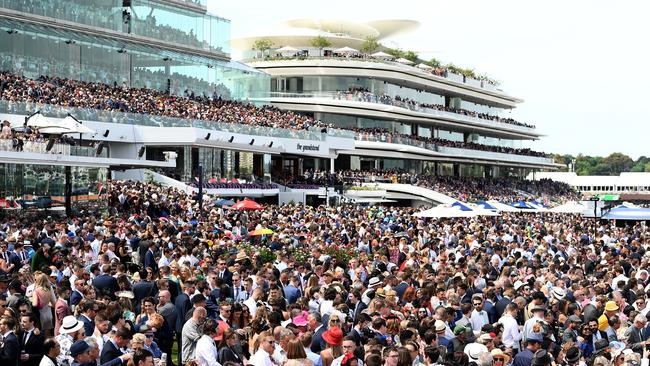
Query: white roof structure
pixel 341 33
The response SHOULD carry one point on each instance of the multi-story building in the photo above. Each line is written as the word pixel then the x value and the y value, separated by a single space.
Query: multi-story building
pixel 413 117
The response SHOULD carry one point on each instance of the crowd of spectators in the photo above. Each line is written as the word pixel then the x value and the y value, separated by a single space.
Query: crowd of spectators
pixel 234 183
pixel 300 285
pixel 81 94
pixel 384 135
pixel 364 95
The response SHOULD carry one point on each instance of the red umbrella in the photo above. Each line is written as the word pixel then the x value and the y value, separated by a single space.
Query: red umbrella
pixel 247 205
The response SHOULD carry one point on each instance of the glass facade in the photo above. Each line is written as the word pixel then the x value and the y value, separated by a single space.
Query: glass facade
pixel 25 183
pixel 33 51
pixel 153 19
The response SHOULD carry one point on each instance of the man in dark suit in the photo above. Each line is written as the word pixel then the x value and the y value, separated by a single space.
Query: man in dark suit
pixel 635 340
pixel 355 303
pixel 292 291
pixel 88 312
pixel 314 322
pixel 9 347
pixel 500 306
pixel 150 258
pixel 223 272
pixel 105 283
pixel 111 348
pixel 183 305
pixel 31 344
pixel 143 289
pixel 76 296
pixel 360 322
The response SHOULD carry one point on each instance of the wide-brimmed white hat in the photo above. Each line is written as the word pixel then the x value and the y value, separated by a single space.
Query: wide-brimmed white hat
pixel 70 324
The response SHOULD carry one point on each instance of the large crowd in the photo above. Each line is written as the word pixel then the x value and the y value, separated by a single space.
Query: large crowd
pixel 156 281
pixel 466 189
pixel 384 135
pixel 188 105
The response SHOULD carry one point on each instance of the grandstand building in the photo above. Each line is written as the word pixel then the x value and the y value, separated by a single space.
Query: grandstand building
pixel 96 90
pixel 406 116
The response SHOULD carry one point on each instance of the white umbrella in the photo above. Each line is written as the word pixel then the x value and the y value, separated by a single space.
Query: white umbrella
pixel 502 206
pixel 346 49
pixel 404 61
pixel 480 211
pixel 569 207
pixel 445 211
pixel 381 54
pixel 74 126
pixel 424 66
pixel 286 49
pixel 39 121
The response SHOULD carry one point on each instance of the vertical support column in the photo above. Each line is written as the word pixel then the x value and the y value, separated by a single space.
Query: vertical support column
pixel 67 188
pixel 200 198
pixel 332 165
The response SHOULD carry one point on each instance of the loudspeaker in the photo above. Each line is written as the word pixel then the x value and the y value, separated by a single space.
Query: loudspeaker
pixel 271 144
pixel 106 133
pixel 142 151
pixel 252 142
pixel 207 137
pixel 50 145
pixel 232 138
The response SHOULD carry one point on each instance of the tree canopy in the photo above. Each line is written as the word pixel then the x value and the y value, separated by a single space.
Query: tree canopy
pixel 614 164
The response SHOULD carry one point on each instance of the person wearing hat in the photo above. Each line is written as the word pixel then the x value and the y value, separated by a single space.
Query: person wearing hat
pixel 333 338
pixel 611 308
pixel 499 357
pixel 70 331
pixel 572 356
pixel 461 339
pixel 440 329
pixel 533 344
pixel 534 324
pixel 571 331
pixel 542 358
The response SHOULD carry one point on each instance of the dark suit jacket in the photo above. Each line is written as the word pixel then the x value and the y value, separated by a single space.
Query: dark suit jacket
pixel 150 261
pixel 183 305
pixel 105 284
pixel 10 353
pixel 317 341
pixel 141 290
pixel 75 298
pixel 33 347
pixel 109 352
pixel 500 306
pixel 361 306
pixel 89 325
pixel 400 289
pixel 227 277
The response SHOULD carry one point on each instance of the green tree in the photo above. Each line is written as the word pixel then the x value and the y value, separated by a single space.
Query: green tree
pixel 647 167
pixel 395 52
pixel 618 163
pixel 370 45
pixel 411 56
pixel 320 42
pixel 639 164
pixel 433 62
pixel 263 44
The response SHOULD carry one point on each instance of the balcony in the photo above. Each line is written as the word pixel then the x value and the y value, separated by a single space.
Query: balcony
pixel 397 110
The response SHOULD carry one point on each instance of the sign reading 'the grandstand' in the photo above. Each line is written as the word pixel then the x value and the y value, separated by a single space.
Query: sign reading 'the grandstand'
pixel 310 147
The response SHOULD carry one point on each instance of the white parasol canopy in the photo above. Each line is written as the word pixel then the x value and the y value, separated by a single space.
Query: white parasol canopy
pixel 445 211
pixel 345 49
pixel 404 61
pixel 39 121
pixel 502 206
pixel 383 55
pixel 569 207
pixel 424 66
pixel 66 125
pixel 286 49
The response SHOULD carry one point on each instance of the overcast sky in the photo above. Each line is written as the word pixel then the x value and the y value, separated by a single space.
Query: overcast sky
pixel 581 66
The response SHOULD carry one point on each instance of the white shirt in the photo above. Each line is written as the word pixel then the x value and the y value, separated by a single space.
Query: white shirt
pixel 511 335
pixel 478 320
pixel 206 351
pixel 261 358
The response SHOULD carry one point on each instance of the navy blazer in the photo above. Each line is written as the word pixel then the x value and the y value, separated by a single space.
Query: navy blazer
pixel 75 297
pixel 109 352
pixel 317 341
pixel 183 305
pixel 89 325
pixel 105 284
pixel 10 352
pixel 33 347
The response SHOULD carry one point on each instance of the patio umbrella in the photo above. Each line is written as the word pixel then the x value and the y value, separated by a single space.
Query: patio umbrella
pixel 74 126
pixel 381 54
pixel 224 202
pixel 247 205
pixel 444 210
pixel 424 66
pixel 286 49
pixel 404 61
pixel 346 49
pixel 259 232
pixel 38 120
pixel 401 234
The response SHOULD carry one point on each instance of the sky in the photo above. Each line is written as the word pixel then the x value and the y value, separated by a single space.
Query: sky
pixel 581 66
